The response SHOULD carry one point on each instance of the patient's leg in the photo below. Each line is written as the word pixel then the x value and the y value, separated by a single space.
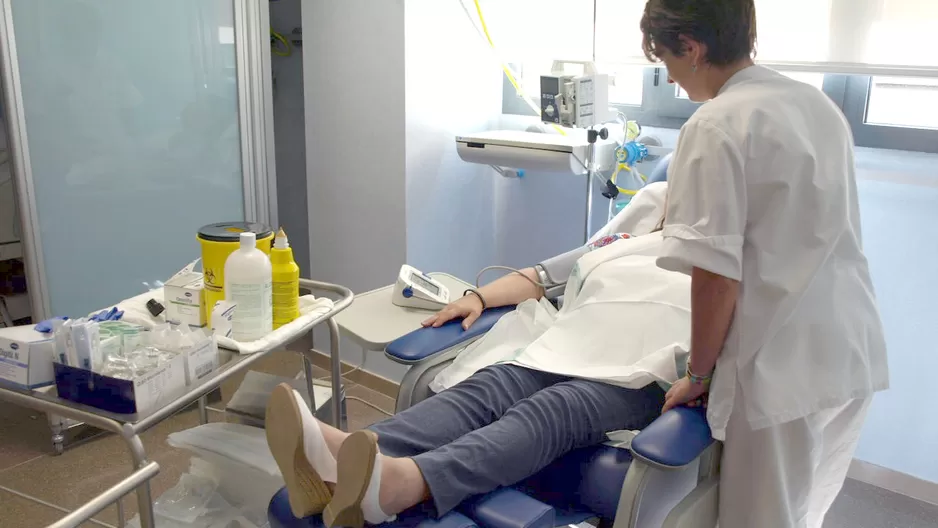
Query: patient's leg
pixel 528 437
pixel 531 435
pixel 480 400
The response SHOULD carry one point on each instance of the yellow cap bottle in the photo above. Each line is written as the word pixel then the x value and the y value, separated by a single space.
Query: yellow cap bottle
pixel 286 281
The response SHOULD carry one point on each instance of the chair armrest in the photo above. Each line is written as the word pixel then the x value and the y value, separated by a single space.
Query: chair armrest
pixel 425 342
pixel 675 439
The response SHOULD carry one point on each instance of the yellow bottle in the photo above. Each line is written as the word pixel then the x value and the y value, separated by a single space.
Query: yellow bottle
pixel 286 281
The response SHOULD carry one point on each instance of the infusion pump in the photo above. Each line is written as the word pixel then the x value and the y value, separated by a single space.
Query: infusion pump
pixel 578 100
pixel 415 289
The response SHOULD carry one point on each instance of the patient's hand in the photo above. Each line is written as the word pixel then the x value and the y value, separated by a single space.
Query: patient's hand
pixel 468 307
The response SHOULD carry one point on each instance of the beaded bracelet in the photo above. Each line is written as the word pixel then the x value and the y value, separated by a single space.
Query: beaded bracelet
pixel 697 380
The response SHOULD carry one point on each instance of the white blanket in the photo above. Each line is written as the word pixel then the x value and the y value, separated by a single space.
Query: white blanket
pixel 624 321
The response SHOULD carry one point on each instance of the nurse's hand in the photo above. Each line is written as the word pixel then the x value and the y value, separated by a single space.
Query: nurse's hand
pixel 683 391
pixel 468 307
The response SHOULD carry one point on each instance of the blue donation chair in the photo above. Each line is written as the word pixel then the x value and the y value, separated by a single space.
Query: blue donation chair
pixel 663 476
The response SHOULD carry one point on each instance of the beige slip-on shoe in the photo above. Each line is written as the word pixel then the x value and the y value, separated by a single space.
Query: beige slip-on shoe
pixel 359 476
pixel 306 489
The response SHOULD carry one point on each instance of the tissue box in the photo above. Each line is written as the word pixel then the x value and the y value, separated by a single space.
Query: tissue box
pixel 26 357
pixel 138 396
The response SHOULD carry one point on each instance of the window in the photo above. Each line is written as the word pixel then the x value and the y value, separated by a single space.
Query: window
pixel 905 102
pixel 626 85
pixel 892 112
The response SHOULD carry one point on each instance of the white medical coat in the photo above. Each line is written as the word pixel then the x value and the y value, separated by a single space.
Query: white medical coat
pixel 624 321
pixel 762 190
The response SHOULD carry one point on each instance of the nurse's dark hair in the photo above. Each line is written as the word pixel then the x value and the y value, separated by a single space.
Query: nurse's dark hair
pixel 727 27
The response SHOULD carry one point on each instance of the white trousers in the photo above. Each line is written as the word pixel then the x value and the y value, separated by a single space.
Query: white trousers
pixel 788 475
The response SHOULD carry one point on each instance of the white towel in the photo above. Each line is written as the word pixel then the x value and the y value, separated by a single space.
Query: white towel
pixel 311 308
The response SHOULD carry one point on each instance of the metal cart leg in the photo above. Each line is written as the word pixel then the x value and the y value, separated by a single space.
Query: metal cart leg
pixel 144 500
pixel 336 365
pixel 203 410
pixel 121 517
pixel 56 423
pixel 308 372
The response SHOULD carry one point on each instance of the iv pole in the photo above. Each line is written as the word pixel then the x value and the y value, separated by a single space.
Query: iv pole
pixel 591 136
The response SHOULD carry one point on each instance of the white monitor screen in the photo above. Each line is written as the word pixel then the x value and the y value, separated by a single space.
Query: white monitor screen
pixel 425 284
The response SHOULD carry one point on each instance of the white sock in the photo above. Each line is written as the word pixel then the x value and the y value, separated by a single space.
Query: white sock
pixel 371 504
pixel 314 444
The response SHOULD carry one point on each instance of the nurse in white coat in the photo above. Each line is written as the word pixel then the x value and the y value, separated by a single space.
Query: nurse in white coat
pixel 763 215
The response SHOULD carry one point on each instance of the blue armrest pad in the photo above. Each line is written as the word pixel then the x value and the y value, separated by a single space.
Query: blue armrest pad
pixel 508 508
pixel 675 439
pixel 425 342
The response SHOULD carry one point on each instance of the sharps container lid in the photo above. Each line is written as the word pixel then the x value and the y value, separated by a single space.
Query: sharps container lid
pixel 231 231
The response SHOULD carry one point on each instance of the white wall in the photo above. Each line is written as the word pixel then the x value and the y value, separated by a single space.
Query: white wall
pixel 353 76
pixel 388 86
pixel 290 135
pixel 453 87
pixel 542 215
pixel 898 203
pixel 353 73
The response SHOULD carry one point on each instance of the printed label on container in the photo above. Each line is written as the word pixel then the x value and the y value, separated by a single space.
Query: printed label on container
pixel 254 315
pixel 201 360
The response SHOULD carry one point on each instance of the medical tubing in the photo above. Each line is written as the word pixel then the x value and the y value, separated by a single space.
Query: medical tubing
pixel 506 69
pixel 287 47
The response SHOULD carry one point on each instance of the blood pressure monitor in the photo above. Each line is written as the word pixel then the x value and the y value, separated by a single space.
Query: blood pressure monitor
pixel 415 289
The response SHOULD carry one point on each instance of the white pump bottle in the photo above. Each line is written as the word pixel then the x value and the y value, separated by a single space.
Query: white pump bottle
pixel 248 284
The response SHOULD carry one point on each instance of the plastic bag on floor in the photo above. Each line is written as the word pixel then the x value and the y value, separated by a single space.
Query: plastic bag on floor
pixel 230 443
pixel 195 502
pixel 237 458
pixel 229 483
pixel 188 500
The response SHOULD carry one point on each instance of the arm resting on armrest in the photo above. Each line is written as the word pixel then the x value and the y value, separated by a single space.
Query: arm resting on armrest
pixel 425 342
pixel 675 439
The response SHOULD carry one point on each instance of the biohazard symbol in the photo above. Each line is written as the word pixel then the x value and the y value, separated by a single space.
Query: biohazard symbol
pixel 209 276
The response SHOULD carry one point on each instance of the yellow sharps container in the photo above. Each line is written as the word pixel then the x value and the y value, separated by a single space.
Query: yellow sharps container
pixel 218 241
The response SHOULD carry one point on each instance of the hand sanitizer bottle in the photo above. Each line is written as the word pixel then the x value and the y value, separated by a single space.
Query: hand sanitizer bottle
pixel 248 284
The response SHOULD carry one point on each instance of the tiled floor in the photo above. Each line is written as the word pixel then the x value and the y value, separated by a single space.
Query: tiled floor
pixel 85 470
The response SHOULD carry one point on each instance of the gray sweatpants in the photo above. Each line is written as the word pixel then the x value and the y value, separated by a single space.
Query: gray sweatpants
pixel 506 423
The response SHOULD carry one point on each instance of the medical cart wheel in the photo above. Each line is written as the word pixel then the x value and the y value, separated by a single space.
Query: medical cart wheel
pixel 58 444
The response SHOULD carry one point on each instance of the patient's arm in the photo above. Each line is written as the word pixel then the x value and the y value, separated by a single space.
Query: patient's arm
pixel 507 290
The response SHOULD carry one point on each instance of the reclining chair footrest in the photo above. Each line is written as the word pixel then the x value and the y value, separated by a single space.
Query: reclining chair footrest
pixel 509 508
pixel 280 516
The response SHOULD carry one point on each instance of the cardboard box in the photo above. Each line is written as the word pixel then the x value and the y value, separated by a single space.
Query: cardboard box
pixel 201 360
pixel 26 357
pixel 183 297
pixel 138 396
